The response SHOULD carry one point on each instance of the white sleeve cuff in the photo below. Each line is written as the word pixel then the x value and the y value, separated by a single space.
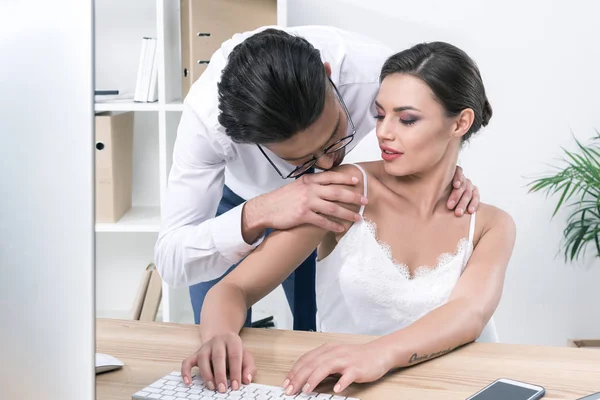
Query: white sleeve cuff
pixel 226 231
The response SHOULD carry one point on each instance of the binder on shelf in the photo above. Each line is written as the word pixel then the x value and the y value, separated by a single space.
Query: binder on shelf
pixel 113 158
pixel 147 75
pixel 206 24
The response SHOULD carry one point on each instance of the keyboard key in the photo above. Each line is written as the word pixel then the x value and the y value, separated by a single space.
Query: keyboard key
pixel 141 395
pixel 310 395
pixel 154 396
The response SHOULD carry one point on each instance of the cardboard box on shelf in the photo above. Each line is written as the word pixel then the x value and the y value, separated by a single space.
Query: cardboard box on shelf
pixel 114 153
pixel 206 24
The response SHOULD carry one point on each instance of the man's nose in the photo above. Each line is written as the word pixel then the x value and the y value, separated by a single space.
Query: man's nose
pixel 326 161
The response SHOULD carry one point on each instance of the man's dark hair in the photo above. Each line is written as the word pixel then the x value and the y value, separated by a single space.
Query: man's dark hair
pixel 452 76
pixel 273 86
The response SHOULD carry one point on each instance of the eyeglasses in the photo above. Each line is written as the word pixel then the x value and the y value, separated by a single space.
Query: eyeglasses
pixel 337 146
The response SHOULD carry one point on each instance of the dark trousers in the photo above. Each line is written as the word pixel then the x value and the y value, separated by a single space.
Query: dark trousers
pixel 299 287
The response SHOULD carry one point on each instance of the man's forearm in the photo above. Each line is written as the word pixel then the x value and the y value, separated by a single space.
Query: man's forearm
pixel 253 225
pixel 437 333
pixel 224 311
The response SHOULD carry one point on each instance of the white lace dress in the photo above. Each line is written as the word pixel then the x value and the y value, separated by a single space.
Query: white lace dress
pixel 362 290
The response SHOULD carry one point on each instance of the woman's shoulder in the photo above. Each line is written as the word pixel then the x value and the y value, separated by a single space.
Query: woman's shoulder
pixel 491 217
pixel 359 170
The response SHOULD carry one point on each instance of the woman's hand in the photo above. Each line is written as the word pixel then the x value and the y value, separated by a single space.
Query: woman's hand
pixel 355 363
pixel 221 352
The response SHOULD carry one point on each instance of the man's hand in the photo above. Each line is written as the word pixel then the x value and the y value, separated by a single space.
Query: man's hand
pixel 464 196
pixel 311 199
pixel 215 357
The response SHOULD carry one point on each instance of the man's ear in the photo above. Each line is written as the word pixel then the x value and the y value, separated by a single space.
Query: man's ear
pixel 463 123
pixel 327 68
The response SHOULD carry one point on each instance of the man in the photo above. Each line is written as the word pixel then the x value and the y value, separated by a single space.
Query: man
pixel 273 105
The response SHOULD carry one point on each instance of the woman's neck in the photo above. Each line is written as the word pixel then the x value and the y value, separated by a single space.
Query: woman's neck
pixel 428 191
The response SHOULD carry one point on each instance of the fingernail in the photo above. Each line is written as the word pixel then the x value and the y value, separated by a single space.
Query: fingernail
pixel 337 388
pixel 364 200
pixel 222 387
pixel 210 385
pixel 285 383
pixel 306 388
pixel 186 380
pixel 461 211
pixel 354 179
pixel 235 385
pixel 289 390
pixel 457 184
pixel 451 203
pixel 357 217
pixel 249 378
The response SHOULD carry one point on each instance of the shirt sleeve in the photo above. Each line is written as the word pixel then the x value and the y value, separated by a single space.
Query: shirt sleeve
pixel 193 245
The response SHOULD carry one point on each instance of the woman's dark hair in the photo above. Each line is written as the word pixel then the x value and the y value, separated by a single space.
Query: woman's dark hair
pixel 452 76
pixel 273 86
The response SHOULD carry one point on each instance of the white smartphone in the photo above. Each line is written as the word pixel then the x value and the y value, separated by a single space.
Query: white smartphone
pixel 509 389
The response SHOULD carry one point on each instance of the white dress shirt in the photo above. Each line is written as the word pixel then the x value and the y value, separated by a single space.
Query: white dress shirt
pixel 195 246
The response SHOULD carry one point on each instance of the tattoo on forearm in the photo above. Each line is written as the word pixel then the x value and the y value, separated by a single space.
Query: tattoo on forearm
pixel 415 358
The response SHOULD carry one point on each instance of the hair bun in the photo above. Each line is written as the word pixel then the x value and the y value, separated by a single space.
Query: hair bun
pixel 487 113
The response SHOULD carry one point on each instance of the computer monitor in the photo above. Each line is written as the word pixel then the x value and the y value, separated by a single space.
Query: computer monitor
pixel 47 200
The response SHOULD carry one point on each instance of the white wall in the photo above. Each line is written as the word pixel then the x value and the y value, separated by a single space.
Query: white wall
pixel 541 65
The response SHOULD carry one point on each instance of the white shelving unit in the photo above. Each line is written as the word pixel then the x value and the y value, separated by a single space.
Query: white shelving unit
pixel 131 106
pixel 126 247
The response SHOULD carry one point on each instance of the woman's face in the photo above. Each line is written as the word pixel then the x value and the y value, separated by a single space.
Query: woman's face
pixel 413 130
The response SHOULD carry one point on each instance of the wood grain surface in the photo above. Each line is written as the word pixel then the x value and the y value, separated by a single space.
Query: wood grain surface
pixel 151 350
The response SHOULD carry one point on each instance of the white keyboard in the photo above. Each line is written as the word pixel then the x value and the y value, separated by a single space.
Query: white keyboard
pixel 171 387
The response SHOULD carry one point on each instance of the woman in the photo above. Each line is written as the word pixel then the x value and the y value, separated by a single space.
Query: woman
pixel 421 280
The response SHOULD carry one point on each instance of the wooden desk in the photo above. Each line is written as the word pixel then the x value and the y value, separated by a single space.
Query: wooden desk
pixel 151 350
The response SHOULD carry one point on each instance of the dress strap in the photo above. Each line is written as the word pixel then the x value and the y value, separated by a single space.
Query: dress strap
pixel 362 207
pixel 472 227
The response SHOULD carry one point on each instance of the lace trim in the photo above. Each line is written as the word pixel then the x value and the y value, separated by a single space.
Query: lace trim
pixel 422 270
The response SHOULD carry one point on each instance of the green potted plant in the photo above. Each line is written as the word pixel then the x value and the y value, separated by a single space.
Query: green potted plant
pixel 576 184
pixel 579 179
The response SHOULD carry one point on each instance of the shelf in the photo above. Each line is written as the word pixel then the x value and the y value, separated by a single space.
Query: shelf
pixel 174 106
pixel 137 219
pixel 133 106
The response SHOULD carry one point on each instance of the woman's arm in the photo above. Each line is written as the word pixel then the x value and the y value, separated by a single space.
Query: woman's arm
pixel 470 306
pixel 459 321
pixel 256 276
pixel 226 304
pixel 264 269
